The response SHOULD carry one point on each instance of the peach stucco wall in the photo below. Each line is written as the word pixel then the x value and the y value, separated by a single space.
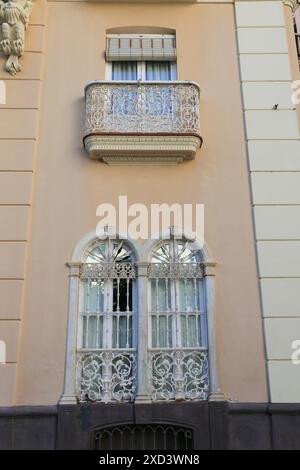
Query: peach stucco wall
pixel 68 186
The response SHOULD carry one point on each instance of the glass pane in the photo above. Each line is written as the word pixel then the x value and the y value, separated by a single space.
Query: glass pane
pixel 190 331
pixel 122 331
pixel 121 253
pixel 122 295
pixel 162 254
pixel 185 255
pixel 193 329
pixel 124 70
pixel 161 331
pixel 158 70
pixel 94 296
pixel 163 342
pixel 154 324
pixel 160 295
pixel 92 332
pixel 186 295
pixel 184 333
pixel 97 255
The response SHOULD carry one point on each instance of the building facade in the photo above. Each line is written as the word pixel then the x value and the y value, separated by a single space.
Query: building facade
pixel 162 339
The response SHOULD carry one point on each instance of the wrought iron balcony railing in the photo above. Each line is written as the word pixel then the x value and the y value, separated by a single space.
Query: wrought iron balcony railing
pixel 142 122
pixel 106 375
pixel 181 374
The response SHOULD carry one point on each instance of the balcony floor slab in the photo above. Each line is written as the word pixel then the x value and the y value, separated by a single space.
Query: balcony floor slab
pixel 141 149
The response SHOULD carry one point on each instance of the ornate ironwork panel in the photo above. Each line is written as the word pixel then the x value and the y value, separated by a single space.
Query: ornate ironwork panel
pixel 106 376
pixel 175 270
pixel 107 271
pixel 146 437
pixel 141 107
pixel 180 375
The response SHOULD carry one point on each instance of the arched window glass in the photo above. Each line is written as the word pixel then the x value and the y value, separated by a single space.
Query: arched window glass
pixel 107 326
pixel 177 323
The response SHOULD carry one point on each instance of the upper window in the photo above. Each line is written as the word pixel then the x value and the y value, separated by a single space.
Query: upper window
pixel 141 57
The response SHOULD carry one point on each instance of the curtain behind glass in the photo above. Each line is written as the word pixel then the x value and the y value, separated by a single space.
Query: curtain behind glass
pixel 124 70
pixel 158 71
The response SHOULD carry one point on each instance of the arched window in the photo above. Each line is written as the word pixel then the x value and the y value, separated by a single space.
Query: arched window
pixel 141 322
pixel 177 323
pixel 107 324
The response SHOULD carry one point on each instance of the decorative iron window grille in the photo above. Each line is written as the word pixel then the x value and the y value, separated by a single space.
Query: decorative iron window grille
pixel 177 321
pixel 146 437
pixel 180 375
pixel 106 365
pixel 107 376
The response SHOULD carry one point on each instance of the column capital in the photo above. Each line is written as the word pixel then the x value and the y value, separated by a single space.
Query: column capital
pixel 142 268
pixel 68 400
pixel 217 396
pixel 293 4
pixel 209 268
pixel 74 269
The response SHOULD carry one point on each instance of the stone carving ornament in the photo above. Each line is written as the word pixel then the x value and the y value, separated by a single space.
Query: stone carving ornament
pixel 14 17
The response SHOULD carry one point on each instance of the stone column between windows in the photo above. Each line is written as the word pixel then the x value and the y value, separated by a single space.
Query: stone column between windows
pixel 209 280
pixel 143 386
pixel 69 394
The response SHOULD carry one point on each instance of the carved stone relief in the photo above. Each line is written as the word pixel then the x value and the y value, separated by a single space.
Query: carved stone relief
pixel 14 18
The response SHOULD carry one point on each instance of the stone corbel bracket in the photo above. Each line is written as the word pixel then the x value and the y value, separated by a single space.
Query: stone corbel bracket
pixel 14 18
pixel 294 4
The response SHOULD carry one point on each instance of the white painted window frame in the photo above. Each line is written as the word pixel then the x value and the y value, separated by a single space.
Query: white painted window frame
pixel 141 71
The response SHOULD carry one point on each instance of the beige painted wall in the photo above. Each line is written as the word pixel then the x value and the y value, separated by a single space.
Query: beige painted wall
pixel 69 186
pixel 19 119
pixel 274 150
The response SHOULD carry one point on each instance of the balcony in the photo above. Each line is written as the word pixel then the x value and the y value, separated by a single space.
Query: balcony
pixel 142 122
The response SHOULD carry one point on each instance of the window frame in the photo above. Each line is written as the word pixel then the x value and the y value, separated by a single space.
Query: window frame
pixel 107 333
pixel 141 257
pixel 141 71
pixel 177 338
